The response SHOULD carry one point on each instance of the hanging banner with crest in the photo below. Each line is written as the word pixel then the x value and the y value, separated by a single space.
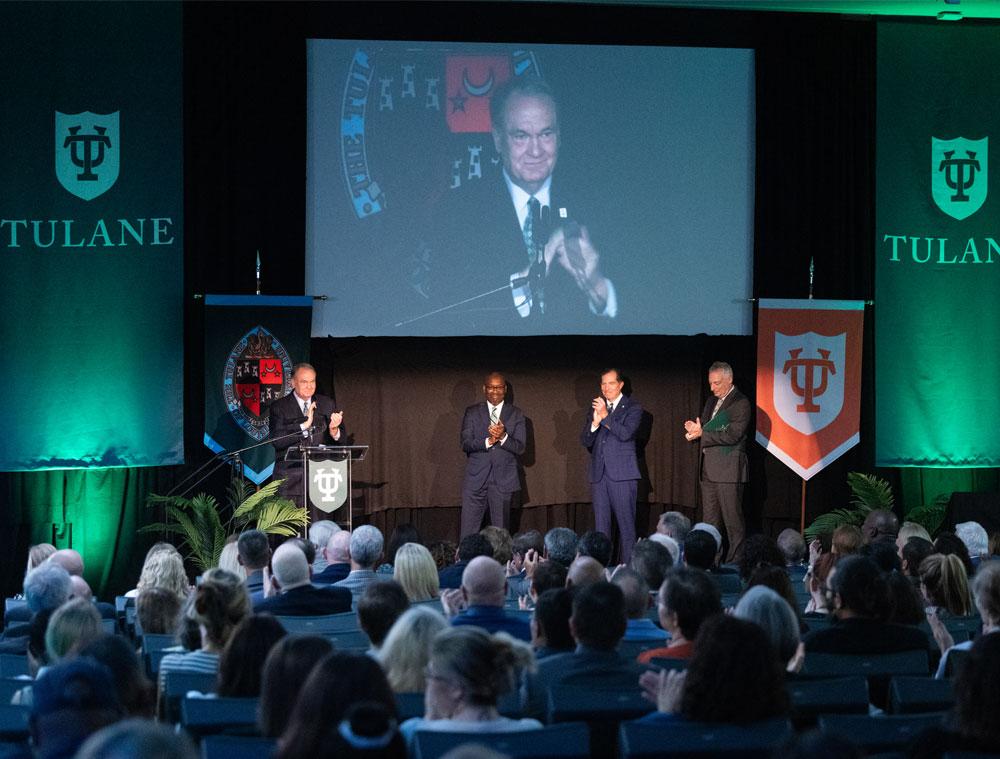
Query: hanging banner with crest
pixel 809 380
pixel 251 344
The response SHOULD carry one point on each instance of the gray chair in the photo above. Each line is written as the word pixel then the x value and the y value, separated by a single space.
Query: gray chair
pixel 568 741
pixel 680 739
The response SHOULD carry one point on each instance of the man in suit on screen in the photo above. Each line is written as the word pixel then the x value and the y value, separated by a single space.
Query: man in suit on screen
pixel 493 438
pixel 721 432
pixel 609 434
pixel 316 419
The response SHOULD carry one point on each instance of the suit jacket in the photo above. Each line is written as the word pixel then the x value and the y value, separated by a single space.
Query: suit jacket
pixel 724 439
pixel 333 573
pixel 285 416
pixel 612 444
pixel 500 459
pixel 584 667
pixel 479 243
pixel 306 601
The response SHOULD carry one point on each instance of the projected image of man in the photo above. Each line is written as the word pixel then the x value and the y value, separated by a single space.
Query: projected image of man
pixel 526 135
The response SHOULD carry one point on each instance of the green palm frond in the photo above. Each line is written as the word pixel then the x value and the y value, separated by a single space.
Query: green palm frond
pixel 869 491
pixel 831 520
pixel 246 511
pixel 281 517
pixel 931 515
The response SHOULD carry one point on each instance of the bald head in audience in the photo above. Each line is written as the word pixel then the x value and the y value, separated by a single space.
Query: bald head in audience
pixel 880 525
pixel 583 571
pixel 484 582
pixel 290 566
pixel 80 588
pixel 69 560
pixel 338 548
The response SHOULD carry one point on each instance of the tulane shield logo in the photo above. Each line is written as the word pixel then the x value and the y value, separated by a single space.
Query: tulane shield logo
pixel 809 388
pixel 959 171
pixel 87 152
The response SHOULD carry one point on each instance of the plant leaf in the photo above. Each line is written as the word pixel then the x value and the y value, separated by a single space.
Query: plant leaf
pixel 931 515
pixel 282 517
pixel 245 511
pixel 831 520
pixel 869 492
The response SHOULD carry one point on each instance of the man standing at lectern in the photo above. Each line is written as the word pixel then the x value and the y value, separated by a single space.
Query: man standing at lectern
pixel 314 417
pixel 721 431
pixel 493 437
pixel 609 434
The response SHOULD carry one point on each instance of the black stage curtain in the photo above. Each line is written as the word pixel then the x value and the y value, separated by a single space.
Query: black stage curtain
pixel 244 173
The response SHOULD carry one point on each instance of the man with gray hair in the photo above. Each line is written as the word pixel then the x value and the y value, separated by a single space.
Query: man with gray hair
pixel 560 545
pixel 793 547
pixel 338 559
pixel 366 550
pixel 46 587
pixel 675 525
pixel 481 598
pixel 319 536
pixel 721 432
pixel 976 540
pixel 297 596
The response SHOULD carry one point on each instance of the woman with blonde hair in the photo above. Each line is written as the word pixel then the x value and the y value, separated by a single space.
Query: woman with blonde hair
pixel 39 553
pixel 163 568
pixel 945 584
pixel 407 648
pixel 230 561
pixel 416 571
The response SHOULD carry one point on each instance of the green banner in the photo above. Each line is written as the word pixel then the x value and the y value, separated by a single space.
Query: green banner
pixel 91 234
pixel 937 246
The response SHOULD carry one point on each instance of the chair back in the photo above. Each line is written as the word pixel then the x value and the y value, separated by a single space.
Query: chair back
pixel 916 695
pixel 630 649
pixel 879 734
pixel 178 684
pixel 14 723
pixel 567 741
pixel 237 747
pixel 207 716
pixel 322 625
pixel 12 665
pixel 679 738
pixel 841 695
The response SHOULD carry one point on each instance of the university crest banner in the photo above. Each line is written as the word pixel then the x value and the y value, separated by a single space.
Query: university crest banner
pixel 937 246
pixel 809 380
pixel 251 344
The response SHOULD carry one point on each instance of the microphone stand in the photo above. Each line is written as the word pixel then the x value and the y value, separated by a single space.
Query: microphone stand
pixel 227 457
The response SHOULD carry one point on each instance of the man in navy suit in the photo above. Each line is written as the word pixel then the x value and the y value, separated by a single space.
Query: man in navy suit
pixel 314 416
pixel 609 434
pixel 721 431
pixel 493 437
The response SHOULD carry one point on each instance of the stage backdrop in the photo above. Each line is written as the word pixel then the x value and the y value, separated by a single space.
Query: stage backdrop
pixel 937 272
pixel 91 234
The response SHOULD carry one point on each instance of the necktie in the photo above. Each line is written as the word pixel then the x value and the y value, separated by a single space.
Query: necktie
pixel 718 405
pixel 534 208
pixel 494 415
pixel 611 407
pixel 305 408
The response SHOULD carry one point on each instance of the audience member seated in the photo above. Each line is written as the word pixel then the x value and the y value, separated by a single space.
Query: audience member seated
pixel 817 582
pixel 319 533
pixel 545 575
pixel 912 554
pixel 583 571
pixel 72 700
pixel 670 544
pixel 218 605
pixel 163 567
pixel 136 693
pixel 137 739
pixel 769 611
pixel 758 551
pixel 861 604
pixel 72 562
pixel 253 552
pixel 503 544
pixel 229 557
pixel 443 552
pixel 381 605
pixel 550 623
pixel 480 600
pixel 597 625
pixel 560 545
pixel 468 672
pixel 687 598
pixel 38 554
pixel 157 611
pixel 242 660
pixel 338 559
pixel 46 588
pixel 401 535
pixel 595 544
pixel 517 580
pixel 793 548
pixel 415 571
pixel 285 670
pixel 367 730
pixel 880 526
pixel 735 678
pixel 407 648
pixel 638 625
pixel 651 561
pixel 307 548
pixel 977 542
pixel 297 596
pixel 974 726
pixel 335 684
pixel 905 601
pixel 909 530
pixel 778 580
pixel 884 554
pixel 986 591
pixel 470 547
pixel 949 544
pixel 945 584
pixel 366 551
pixel 674 524
pixel 702 551
pixel 846 540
